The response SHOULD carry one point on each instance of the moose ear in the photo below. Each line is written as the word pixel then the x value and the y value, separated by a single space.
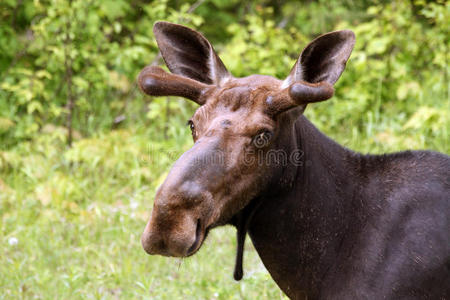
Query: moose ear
pixel 317 69
pixel 188 53
pixel 323 59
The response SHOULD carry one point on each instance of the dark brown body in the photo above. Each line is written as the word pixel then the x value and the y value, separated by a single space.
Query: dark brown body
pixel 327 223
pixel 348 226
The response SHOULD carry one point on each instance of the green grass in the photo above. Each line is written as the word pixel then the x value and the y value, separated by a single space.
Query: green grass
pixel 77 214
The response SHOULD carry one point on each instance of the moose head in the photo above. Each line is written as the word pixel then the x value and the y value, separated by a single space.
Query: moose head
pixel 239 121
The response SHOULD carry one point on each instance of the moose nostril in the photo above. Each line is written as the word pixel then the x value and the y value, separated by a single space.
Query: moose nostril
pixel 197 238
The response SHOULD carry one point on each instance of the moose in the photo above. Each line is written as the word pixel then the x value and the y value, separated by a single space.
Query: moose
pixel 327 222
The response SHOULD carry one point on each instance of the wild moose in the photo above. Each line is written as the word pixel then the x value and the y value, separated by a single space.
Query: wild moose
pixel 328 223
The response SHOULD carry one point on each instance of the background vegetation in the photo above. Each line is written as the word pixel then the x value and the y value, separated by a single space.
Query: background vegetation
pixel 82 150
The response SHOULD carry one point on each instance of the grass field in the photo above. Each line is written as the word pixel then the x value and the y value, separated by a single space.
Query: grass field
pixel 71 222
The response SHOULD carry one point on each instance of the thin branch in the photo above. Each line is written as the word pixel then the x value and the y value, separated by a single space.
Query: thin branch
pixel 69 73
pixel 195 6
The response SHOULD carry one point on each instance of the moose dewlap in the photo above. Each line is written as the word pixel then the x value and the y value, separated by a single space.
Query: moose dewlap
pixel 328 223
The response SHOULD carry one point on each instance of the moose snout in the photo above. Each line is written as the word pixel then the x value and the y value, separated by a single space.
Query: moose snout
pixel 169 243
pixel 182 207
pixel 171 231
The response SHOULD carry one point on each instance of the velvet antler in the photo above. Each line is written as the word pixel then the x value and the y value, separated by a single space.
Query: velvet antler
pixel 155 81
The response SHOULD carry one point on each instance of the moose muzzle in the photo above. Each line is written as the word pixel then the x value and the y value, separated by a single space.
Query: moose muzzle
pixel 183 205
pixel 177 239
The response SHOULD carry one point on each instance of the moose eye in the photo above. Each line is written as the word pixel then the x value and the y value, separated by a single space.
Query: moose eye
pixel 191 126
pixel 262 139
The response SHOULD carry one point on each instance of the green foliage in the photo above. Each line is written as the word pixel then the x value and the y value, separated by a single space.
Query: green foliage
pixel 396 90
pixel 71 217
pixel 92 50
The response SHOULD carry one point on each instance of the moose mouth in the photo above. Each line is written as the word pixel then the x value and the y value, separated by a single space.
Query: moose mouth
pixel 199 238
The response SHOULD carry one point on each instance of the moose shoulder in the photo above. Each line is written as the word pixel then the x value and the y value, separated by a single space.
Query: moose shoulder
pixel 327 223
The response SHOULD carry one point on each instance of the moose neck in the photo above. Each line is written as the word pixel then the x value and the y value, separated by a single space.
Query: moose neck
pixel 297 231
